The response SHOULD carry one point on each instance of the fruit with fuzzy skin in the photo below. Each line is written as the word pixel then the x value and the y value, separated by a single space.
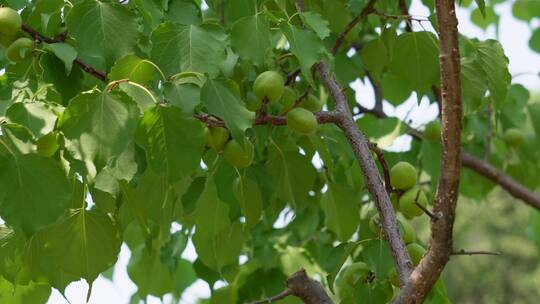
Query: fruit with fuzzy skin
pixel 252 103
pixel 216 137
pixel 238 156
pixel 269 85
pixel 288 99
pixel 407 231
pixel 312 103
pixel 433 131
pixel 20 49
pixel 10 21
pixel 513 137
pixel 302 121
pixel 403 176
pixel 349 277
pixel 416 252
pixel 407 202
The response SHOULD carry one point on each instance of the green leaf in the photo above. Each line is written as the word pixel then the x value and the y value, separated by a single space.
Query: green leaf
pixel 150 275
pixel 218 243
pixel 133 68
pixel 249 196
pixel 473 84
pixel 222 102
pixel 490 56
pixel 295 175
pixel 534 41
pixel 317 23
pixel 25 200
pixel 481 6
pixel 173 141
pixel 382 131
pixel 105 30
pixel 250 38
pixel 416 60
pixel 375 57
pixel 84 243
pixel 11 250
pixel 183 93
pixel 188 48
pixel 183 12
pixel 64 52
pixel 23 294
pixel 98 126
pixel 36 116
pixel 306 46
pixel 534 112
pixel 341 209
pixel 484 18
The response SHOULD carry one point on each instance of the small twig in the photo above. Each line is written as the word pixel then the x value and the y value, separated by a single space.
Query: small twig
pixel 404 17
pixel 370 7
pixel 463 252
pixel 386 172
pixel 222 17
pixel 87 68
pixel 287 292
pixel 429 213
pixel 323 117
pixel 291 77
pixel 405 11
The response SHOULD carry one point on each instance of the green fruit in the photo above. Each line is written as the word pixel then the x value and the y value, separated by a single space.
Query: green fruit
pixel 10 21
pixel 288 99
pixel 302 121
pixel 513 137
pixel 216 137
pixel 393 277
pixel 7 39
pixel 416 252
pixel 407 231
pixel 238 156
pixel 252 103
pixel 375 224
pixel 312 103
pixel 433 131
pixel 349 277
pixel 407 204
pixel 403 176
pixel 19 49
pixel 394 198
pixel 269 85
pixel 48 144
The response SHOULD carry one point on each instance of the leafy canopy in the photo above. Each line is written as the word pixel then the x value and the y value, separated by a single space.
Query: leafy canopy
pixel 110 148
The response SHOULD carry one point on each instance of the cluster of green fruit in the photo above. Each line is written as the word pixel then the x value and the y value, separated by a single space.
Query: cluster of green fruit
pixel 18 48
pixel 218 138
pixel 407 195
pixel 269 89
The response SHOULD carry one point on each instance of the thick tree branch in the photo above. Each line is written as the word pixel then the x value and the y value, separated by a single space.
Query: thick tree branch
pixel 429 270
pixel 372 178
pixel 303 287
pixel 499 177
pixel 384 165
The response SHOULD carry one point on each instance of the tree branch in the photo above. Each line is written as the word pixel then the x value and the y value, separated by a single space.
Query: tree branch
pixel 85 67
pixel 386 172
pixel 429 270
pixel 499 177
pixel 469 253
pixel 372 178
pixel 370 7
pixel 287 292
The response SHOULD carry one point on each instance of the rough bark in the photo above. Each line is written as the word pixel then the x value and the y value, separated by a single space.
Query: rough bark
pixel 429 270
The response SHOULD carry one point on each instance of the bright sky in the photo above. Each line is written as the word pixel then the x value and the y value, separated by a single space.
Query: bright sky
pixel 514 36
